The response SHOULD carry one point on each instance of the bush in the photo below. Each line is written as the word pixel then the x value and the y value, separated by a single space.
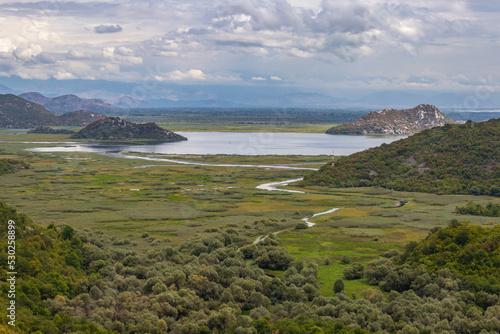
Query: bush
pixel 346 259
pixel 301 226
pixel 338 286
pixel 355 271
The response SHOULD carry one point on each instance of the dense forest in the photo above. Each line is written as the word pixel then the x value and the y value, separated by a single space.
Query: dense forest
pixel 456 159
pixel 83 282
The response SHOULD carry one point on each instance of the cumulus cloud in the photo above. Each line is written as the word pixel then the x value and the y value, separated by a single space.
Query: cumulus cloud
pixel 298 39
pixel 45 58
pixel 121 55
pixel 77 55
pixel 192 74
pixel 64 76
pixel 345 29
pixel 103 29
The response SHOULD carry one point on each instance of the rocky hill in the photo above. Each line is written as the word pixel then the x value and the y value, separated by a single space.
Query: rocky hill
pixel 115 128
pixel 456 159
pixel 16 112
pixel 394 122
pixel 68 103
pixel 80 117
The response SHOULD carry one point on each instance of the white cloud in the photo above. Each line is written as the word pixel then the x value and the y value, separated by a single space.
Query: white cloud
pixel 192 74
pixel 258 79
pixel 6 45
pixel 64 76
pixel 276 78
pixel 121 55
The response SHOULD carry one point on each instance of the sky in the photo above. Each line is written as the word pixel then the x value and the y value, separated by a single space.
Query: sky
pixel 333 47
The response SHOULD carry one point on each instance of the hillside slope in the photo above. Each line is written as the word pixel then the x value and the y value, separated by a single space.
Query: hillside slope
pixel 115 128
pixel 394 122
pixel 16 112
pixel 80 117
pixel 450 159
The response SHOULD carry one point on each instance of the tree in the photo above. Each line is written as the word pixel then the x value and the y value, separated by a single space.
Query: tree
pixel 338 286
pixel 355 271
pixel 67 233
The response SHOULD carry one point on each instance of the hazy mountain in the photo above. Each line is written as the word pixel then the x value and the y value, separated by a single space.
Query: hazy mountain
pixel 127 102
pixel 6 90
pixel 394 122
pixel 68 103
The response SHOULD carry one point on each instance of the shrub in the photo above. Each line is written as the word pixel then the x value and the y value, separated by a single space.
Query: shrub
pixel 355 271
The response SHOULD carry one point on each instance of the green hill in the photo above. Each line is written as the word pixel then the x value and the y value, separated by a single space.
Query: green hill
pixel 471 252
pixel 115 128
pixel 454 159
pixel 16 112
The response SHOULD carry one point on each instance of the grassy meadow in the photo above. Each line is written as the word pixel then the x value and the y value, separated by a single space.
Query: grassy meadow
pixel 143 204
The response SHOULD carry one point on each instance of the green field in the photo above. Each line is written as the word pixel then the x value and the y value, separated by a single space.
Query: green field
pixel 142 204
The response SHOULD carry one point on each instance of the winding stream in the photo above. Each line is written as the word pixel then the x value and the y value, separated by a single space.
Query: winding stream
pixel 273 186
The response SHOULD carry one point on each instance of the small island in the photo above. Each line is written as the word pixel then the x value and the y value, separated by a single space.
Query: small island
pixel 115 128
pixel 394 122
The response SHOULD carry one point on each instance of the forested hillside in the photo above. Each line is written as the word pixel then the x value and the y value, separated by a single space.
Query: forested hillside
pixel 82 281
pixel 456 159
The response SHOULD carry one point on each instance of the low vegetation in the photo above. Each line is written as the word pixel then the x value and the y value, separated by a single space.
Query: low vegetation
pixel 79 282
pixel 8 166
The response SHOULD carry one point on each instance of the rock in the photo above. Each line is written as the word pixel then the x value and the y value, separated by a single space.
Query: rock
pixel 394 122
pixel 115 128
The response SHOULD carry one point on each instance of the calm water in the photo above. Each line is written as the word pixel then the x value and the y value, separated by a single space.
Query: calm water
pixel 244 144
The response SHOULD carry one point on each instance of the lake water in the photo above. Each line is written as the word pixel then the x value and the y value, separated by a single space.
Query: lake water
pixel 243 144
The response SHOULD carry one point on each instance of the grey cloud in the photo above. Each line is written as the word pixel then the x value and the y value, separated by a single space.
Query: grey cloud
pixel 484 5
pixel 239 44
pixel 102 29
pixel 76 55
pixel 347 29
pixel 45 58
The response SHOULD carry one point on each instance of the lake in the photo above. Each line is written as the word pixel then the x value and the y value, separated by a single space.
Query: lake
pixel 238 143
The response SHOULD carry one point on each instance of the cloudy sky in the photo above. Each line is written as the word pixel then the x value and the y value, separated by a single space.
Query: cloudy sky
pixel 326 46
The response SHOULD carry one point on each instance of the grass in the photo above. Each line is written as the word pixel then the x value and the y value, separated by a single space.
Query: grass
pixel 175 203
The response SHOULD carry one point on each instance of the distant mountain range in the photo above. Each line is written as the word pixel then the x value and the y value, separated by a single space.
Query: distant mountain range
pixel 68 103
pixel 111 97
pixel 394 122
pixel 16 112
